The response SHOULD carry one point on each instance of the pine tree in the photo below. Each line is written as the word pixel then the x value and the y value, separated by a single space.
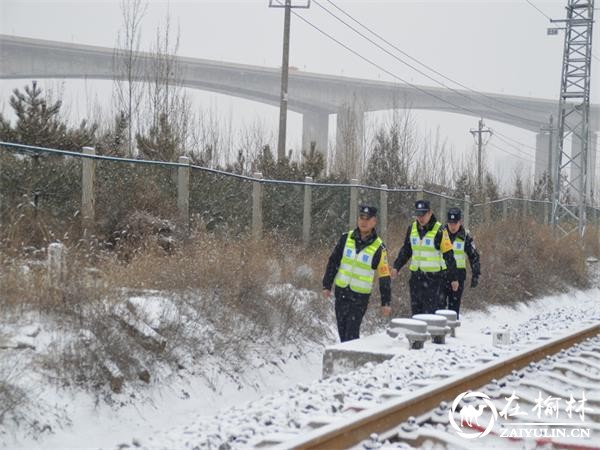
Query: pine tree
pixel 490 187
pixel 313 162
pixel 465 185
pixel 385 165
pixel 543 189
pixel 161 143
pixel 114 141
pixel 518 193
pixel 39 123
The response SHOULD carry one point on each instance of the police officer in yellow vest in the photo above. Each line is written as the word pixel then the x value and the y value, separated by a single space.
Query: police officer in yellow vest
pixel 357 257
pixel 463 245
pixel 428 247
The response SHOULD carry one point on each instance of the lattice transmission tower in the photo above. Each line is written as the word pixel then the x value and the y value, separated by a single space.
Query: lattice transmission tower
pixel 571 168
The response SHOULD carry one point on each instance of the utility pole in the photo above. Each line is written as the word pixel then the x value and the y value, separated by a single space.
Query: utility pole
pixel 283 103
pixel 479 140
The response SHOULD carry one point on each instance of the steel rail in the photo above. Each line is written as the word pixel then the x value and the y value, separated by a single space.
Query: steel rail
pixel 350 432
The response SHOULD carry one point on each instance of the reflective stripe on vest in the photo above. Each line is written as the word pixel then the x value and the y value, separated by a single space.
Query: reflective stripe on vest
pixel 458 247
pixel 355 268
pixel 425 256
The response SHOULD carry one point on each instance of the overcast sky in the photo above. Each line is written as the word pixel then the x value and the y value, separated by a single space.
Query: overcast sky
pixel 493 46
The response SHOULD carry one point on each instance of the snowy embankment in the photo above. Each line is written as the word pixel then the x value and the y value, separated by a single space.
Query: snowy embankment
pixel 279 391
pixel 289 410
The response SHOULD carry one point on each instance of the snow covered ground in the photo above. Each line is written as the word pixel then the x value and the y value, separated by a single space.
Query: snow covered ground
pixel 280 393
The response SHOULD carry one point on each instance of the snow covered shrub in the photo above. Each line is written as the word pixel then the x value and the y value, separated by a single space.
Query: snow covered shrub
pixel 521 260
pixel 12 397
pixel 591 240
pixel 140 230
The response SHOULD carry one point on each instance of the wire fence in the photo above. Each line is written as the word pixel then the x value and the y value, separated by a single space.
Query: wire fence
pixel 48 195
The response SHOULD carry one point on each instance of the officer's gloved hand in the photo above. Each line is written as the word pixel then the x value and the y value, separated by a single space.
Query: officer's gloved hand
pixel 474 282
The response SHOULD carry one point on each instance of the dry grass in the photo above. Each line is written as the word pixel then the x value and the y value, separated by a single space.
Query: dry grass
pixel 522 260
pixel 231 296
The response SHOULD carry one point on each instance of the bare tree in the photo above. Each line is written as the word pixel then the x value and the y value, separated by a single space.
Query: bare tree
pixel 434 167
pixel 167 109
pixel 128 65
pixel 349 149
pixel 392 151
pixel 252 139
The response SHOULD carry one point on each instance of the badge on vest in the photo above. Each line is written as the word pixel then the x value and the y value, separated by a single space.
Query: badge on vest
pixel 365 258
pixel 427 241
pixel 348 252
pixel 414 241
pixel 459 245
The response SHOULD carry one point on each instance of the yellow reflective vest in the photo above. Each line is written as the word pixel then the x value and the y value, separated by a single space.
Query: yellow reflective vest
pixel 425 256
pixel 458 247
pixel 355 268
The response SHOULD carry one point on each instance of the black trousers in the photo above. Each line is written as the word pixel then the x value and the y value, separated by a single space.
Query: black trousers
pixel 426 295
pixel 452 298
pixel 350 309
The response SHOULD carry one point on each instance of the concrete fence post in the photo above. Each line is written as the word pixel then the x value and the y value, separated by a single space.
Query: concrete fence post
pixel 353 204
pixel 442 216
pixel 257 214
pixel 56 265
pixel 383 210
pixel 487 210
pixel 183 194
pixel 306 219
pixel 598 222
pixel 88 195
pixel 420 194
pixel 467 210
pixel 505 209
pixel 546 212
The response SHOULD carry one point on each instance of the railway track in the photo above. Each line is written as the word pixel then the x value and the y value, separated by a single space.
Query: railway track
pixel 563 369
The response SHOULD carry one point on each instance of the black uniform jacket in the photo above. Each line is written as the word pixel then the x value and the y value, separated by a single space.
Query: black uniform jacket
pixel 470 250
pixel 405 252
pixel 335 259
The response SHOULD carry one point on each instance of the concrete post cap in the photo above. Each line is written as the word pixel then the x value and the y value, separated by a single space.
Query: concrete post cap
pixel 432 319
pixel 417 326
pixel 447 313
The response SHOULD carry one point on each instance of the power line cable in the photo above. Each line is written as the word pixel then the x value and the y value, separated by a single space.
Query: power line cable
pixel 519 149
pixel 364 58
pixel 470 111
pixel 370 30
pixel 497 133
pixel 550 19
pixel 374 43
pixel 529 160
pixel 540 11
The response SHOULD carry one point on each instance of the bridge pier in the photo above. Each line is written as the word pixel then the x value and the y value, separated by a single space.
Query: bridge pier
pixel 543 161
pixel 349 142
pixel 591 161
pixel 315 128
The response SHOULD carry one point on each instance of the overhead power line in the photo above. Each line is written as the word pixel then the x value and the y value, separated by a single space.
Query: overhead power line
pixel 518 149
pixel 435 80
pixel 550 19
pixel 539 10
pixel 383 69
pixel 395 47
pixel 515 141
pixel 529 160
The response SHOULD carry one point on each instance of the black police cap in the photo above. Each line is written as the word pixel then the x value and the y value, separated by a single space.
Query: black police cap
pixel 368 211
pixel 454 215
pixel 422 207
